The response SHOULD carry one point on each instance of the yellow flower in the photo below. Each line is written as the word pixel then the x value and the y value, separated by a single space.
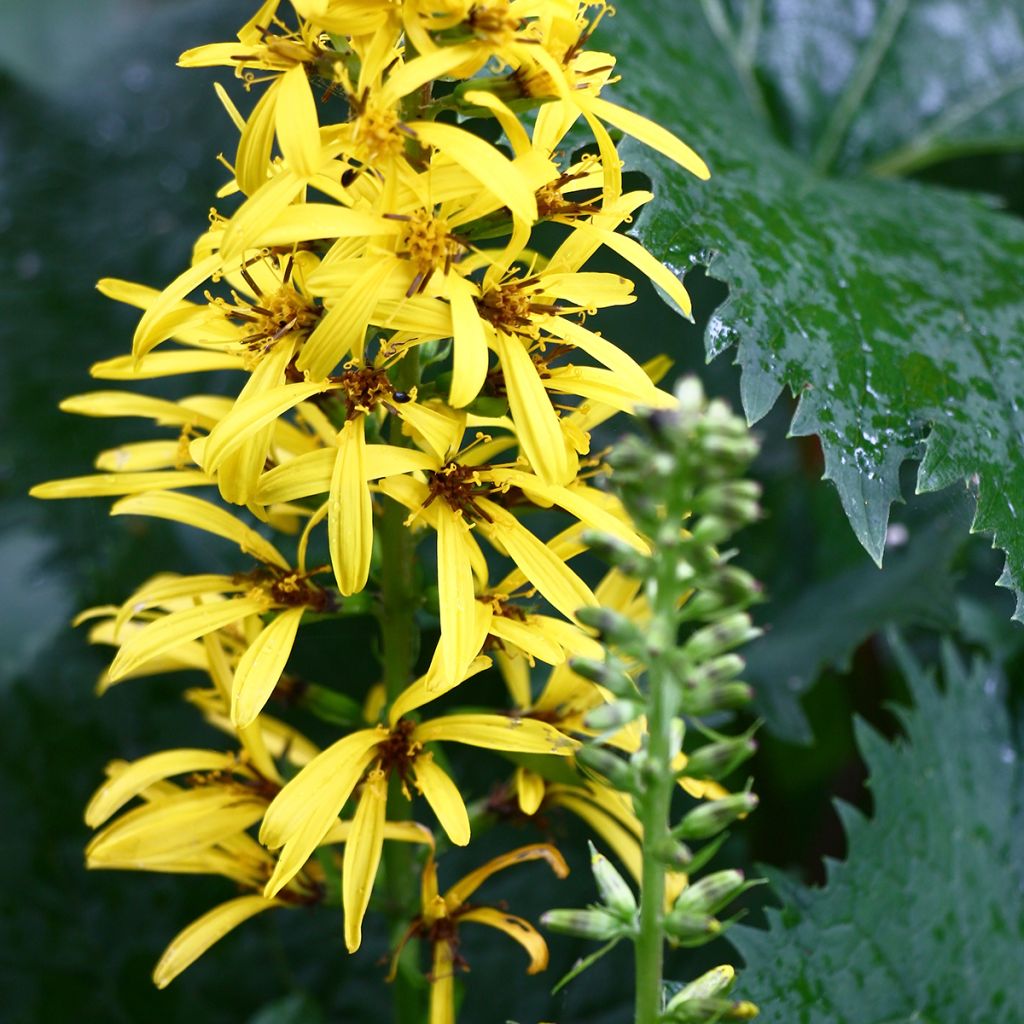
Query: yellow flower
pixel 308 806
pixel 442 916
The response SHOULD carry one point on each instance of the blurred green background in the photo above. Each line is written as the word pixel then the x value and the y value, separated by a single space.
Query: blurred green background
pixel 107 169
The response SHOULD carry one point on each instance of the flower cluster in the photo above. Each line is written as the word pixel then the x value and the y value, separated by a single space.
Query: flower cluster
pixel 401 309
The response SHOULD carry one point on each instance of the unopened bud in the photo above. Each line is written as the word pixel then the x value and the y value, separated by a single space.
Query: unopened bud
pixel 725 697
pixel 717 760
pixel 692 929
pixel 673 853
pixel 612 627
pixel 717 670
pixel 709 819
pixel 585 924
pixel 716 982
pixel 617 771
pixel 615 892
pixel 617 552
pixel 720 637
pixel 709 1010
pixel 712 530
pixel 609 674
pixel 614 716
pixel 712 893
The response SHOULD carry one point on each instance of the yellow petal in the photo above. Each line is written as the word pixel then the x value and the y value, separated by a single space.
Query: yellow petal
pixel 435 682
pixel 260 668
pixel 647 132
pixel 469 352
pixel 541 566
pixel 310 473
pixel 163 364
pixel 252 159
pixel 515 670
pixel 250 415
pixel 394 831
pixel 343 329
pixel 528 638
pixel 607 388
pixel 515 928
pixel 170 631
pixel 259 210
pixel 158 321
pixel 602 350
pixel 300 815
pixel 487 165
pixel 457 895
pixel 306 222
pixel 442 985
pixel 624 844
pixel 505 116
pixel 105 485
pixel 630 249
pixel 183 508
pixel 440 428
pixel 497 732
pixel 576 502
pixel 530 790
pixel 187 822
pixel 169 589
pixel 192 942
pixel 295 120
pixel 443 796
pixel 125 403
pixel 535 418
pixel 131 779
pixel 362 856
pixel 350 511
pixel 456 595
pixel 425 68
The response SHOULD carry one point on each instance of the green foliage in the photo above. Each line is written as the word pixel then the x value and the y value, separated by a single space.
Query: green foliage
pixel 924 919
pixel 823 626
pixel 892 309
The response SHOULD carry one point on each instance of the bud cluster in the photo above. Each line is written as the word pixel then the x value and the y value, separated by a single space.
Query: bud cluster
pixel 668 667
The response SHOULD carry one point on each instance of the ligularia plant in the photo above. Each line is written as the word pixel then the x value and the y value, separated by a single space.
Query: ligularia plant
pixel 407 437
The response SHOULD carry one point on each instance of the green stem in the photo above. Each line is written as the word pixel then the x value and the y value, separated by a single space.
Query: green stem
pixel 656 801
pixel 400 598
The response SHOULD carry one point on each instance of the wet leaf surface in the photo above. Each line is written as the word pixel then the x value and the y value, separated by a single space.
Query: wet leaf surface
pixel 892 309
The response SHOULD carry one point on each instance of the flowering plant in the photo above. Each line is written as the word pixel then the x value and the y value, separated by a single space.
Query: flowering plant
pixel 399 311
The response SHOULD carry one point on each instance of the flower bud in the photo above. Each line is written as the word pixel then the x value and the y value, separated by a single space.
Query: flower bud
pixel 709 1010
pixel 610 674
pixel 712 893
pixel 615 892
pixel 585 924
pixel 716 698
pixel 710 818
pixel 614 716
pixel 717 670
pixel 720 637
pixel 612 627
pixel 617 552
pixel 717 760
pixel 674 853
pixel 691 929
pixel 716 982
pixel 617 771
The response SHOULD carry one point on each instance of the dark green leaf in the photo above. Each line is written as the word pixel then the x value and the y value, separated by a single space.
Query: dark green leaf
pixel 923 919
pixel 831 618
pixel 297 1008
pixel 892 309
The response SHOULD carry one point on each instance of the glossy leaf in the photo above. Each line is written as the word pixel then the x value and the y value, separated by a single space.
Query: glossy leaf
pixel 892 309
